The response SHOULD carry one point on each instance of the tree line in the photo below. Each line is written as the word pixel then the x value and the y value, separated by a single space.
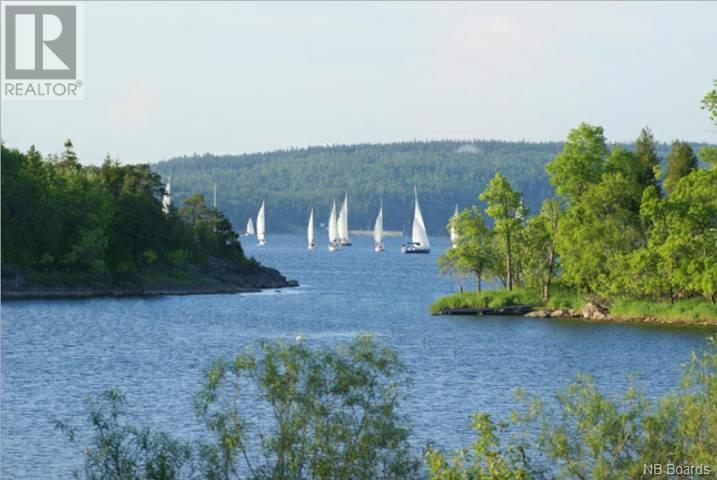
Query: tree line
pixel 293 181
pixel 103 222
pixel 619 226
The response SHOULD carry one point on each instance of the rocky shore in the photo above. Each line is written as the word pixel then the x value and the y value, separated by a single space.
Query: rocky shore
pixel 217 276
pixel 592 312
pixel 600 313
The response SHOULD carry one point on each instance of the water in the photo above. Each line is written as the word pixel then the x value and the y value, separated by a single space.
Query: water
pixel 57 353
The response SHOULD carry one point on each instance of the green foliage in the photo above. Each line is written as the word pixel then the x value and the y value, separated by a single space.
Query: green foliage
pixel 475 251
pixel 584 434
pixel 680 162
pixel 486 459
pixel 105 223
pixel 581 162
pixel 649 162
pixel 446 173
pixel 506 208
pixel 537 247
pixel 709 103
pixel 333 413
pixel 488 299
pixel 691 310
pixel 122 452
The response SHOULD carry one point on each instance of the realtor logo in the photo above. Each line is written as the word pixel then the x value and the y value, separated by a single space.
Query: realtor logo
pixel 41 54
pixel 41 42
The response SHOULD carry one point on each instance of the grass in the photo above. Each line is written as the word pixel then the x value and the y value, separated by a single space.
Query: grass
pixel 688 310
pixel 691 310
pixel 487 299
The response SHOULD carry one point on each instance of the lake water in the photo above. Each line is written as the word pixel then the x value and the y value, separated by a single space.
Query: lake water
pixel 57 353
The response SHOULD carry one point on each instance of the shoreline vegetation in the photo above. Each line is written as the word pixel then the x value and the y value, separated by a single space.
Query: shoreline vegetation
pixel 73 231
pixel 568 304
pixel 621 240
pixel 335 412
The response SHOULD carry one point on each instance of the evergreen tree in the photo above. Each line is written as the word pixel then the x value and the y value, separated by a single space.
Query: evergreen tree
pixel 646 152
pixel 69 157
pixel 680 162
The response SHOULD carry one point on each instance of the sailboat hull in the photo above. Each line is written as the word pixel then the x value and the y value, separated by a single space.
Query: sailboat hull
pixel 262 243
pixel 378 248
pixel 414 249
pixel 345 243
pixel 332 247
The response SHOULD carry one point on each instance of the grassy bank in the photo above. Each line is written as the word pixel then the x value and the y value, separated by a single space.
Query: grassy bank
pixel 689 310
pixel 682 311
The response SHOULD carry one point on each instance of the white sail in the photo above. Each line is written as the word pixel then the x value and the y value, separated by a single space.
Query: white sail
pixel 343 221
pixel 261 224
pixel 454 232
pixel 250 227
pixel 333 225
pixel 214 201
pixel 310 230
pixel 167 197
pixel 419 237
pixel 378 227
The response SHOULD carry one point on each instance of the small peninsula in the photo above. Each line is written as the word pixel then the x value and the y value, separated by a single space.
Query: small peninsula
pixel 73 231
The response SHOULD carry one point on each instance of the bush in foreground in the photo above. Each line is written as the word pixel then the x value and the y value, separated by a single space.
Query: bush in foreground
pixel 333 415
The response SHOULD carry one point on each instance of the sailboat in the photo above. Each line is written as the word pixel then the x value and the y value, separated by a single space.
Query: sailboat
pixel 250 228
pixel 261 225
pixel 419 238
pixel 378 231
pixel 343 223
pixel 310 231
pixel 454 231
pixel 333 229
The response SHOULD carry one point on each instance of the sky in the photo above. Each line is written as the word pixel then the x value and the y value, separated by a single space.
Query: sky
pixel 166 79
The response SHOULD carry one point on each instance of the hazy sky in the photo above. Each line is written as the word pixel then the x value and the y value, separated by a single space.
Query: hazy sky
pixel 165 79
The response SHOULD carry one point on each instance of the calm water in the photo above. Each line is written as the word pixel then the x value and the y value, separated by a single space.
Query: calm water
pixel 56 353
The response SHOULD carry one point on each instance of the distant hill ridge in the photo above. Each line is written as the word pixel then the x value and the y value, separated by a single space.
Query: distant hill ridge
pixel 446 172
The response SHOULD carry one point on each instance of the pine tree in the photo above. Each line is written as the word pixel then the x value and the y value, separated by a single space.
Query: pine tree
pixel 69 157
pixel 647 155
pixel 680 162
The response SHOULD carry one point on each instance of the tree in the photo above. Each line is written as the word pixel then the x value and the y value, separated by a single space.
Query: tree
pixel 333 414
pixel 603 223
pixel 680 162
pixel 194 210
pixel 709 103
pixel 539 247
pixel 474 252
pixel 487 458
pixel 646 152
pixel 581 162
pixel 506 208
pixel 122 451
pixel 68 159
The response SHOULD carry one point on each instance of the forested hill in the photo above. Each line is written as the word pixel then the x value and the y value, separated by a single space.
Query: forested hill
pixel 293 181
